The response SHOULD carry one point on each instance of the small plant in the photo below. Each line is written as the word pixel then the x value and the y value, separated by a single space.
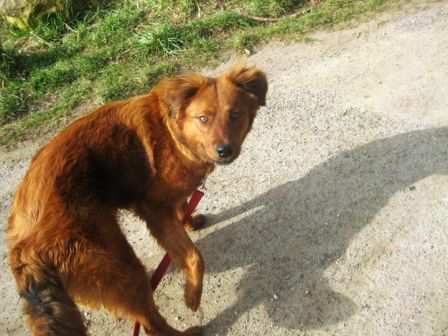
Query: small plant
pixel 164 40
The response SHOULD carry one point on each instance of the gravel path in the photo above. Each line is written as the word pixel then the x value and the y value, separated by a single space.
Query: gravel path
pixel 334 219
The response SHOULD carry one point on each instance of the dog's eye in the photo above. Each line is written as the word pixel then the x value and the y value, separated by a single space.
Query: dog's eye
pixel 235 115
pixel 203 119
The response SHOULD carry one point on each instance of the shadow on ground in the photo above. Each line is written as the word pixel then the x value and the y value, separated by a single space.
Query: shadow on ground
pixel 294 232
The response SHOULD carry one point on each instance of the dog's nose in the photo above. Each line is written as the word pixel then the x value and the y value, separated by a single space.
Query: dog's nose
pixel 224 150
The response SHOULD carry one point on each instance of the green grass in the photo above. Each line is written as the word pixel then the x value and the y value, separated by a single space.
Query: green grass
pixel 120 50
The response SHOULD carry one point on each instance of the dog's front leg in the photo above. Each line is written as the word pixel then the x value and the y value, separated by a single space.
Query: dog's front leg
pixel 165 226
pixel 195 222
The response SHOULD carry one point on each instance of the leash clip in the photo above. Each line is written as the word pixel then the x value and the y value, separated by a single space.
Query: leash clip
pixel 202 186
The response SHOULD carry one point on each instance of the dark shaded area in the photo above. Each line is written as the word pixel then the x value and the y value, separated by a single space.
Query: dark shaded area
pixel 299 229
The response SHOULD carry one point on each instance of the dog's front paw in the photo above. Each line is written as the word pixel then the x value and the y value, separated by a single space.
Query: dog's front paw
pixel 194 331
pixel 195 222
pixel 192 296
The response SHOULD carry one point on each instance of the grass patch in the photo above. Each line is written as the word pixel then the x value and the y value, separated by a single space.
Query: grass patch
pixel 122 49
pixel 272 8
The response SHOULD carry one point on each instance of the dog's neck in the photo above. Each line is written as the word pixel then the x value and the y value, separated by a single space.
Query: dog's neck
pixel 183 148
pixel 178 141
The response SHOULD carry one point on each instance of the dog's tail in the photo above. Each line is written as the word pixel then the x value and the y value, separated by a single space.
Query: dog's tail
pixel 50 309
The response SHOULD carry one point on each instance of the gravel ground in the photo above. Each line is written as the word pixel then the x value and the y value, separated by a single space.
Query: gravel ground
pixel 334 219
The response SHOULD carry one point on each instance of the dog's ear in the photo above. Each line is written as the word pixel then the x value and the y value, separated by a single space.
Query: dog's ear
pixel 176 92
pixel 250 79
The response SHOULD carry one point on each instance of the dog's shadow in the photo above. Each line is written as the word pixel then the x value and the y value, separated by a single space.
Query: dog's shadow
pixel 295 232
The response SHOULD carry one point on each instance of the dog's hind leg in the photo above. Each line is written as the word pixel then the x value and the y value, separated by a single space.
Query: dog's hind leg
pixel 48 306
pixel 113 277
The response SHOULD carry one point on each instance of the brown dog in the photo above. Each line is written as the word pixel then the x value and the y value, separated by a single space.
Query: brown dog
pixel 146 154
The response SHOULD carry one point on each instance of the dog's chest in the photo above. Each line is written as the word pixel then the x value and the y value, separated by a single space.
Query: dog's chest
pixel 177 180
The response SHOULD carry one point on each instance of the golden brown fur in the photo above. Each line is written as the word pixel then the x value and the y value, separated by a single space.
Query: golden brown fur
pixel 146 154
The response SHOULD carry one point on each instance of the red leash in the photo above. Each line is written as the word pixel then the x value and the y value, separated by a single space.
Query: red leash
pixel 165 263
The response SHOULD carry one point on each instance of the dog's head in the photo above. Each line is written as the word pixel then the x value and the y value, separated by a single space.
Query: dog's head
pixel 212 116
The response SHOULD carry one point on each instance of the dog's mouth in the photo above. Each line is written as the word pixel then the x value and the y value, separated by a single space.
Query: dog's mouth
pixel 224 162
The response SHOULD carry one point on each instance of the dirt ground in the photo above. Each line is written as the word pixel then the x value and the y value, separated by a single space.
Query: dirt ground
pixel 334 219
